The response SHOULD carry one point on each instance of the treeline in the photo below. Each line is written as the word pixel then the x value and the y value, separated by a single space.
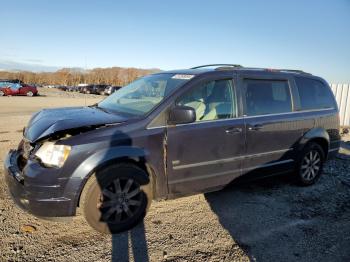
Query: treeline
pixel 72 77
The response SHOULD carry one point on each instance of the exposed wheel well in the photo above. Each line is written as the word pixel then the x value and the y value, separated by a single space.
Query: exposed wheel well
pixel 134 161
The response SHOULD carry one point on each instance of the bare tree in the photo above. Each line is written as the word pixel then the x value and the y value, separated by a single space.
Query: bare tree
pixel 71 77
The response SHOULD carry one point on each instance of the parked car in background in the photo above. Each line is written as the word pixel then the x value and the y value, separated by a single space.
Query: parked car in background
pixel 72 89
pixel 88 89
pixel 10 87
pixel 62 88
pixel 99 89
pixel 111 89
pixel 81 86
pixel 94 89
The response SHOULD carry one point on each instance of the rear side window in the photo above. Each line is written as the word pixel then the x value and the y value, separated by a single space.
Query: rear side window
pixel 314 94
pixel 267 97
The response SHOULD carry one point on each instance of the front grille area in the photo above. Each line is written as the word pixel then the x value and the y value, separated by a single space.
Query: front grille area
pixel 21 162
pixel 25 148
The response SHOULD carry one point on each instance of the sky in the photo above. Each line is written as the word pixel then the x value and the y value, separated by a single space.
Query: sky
pixel 312 35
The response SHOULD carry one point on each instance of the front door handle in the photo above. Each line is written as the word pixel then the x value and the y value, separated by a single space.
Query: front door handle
pixel 255 127
pixel 233 130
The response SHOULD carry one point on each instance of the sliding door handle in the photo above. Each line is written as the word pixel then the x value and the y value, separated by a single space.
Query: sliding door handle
pixel 255 127
pixel 233 130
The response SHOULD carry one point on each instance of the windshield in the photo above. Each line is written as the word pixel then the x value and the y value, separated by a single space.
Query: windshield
pixel 144 94
pixel 9 85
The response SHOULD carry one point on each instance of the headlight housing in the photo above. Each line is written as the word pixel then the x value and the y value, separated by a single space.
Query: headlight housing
pixel 53 155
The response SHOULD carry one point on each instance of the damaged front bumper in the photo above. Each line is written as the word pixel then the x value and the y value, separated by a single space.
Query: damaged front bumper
pixel 32 192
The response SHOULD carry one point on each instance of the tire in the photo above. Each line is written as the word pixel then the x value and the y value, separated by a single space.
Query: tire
pixel 30 93
pixel 101 189
pixel 2 93
pixel 310 164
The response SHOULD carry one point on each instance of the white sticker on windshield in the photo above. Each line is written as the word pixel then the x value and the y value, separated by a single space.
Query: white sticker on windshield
pixel 179 76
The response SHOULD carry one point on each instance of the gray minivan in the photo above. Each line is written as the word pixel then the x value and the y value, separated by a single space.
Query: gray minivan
pixel 172 134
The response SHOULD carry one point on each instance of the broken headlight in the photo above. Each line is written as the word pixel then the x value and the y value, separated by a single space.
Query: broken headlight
pixel 51 154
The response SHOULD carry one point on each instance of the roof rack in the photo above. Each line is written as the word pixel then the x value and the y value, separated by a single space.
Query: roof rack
pixel 277 70
pixel 293 71
pixel 218 65
pixel 235 66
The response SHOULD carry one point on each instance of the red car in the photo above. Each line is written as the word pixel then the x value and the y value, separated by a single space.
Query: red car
pixel 16 88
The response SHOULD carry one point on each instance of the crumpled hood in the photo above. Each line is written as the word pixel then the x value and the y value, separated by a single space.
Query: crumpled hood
pixel 49 121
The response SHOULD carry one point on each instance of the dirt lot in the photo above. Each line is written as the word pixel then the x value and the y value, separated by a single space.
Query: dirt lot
pixel 269 220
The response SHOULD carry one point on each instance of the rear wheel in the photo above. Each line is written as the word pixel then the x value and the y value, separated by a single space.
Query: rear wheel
pixel 2 93
pixel 310 164
pixel 116 198
pixel 29 93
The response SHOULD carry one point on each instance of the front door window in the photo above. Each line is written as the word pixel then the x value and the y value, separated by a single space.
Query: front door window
pixel 211 100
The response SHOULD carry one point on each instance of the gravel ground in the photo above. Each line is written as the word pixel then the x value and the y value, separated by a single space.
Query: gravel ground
pixel 268 220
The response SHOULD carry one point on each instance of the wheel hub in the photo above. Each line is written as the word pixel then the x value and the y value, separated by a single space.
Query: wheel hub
pixel 311 165
pixel 120 200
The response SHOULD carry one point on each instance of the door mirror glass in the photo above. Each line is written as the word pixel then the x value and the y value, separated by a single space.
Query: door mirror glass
pixel 182 115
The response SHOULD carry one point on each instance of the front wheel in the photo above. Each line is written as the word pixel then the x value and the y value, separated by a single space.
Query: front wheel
pixel 2 93
pixel 116 198
pixel 310 164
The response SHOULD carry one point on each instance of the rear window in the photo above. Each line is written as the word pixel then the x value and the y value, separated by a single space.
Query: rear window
pixel 314 94
pixel 267 97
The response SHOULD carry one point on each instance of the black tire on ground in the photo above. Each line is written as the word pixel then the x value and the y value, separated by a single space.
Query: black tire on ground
pixel 310 164
pixel 116 198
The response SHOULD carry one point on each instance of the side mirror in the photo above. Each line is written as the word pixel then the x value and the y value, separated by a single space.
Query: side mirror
pixel 182 115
